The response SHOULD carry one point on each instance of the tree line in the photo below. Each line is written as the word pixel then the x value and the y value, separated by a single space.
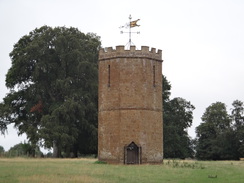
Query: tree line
pixel 220 136
pixel 21 150
pixel 53 100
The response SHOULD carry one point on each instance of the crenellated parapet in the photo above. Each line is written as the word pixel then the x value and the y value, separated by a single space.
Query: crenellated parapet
pixel 121 52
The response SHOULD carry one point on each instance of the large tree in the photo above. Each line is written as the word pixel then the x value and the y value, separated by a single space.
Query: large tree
pixel 177 117
pixel 53 89
pixel 215 138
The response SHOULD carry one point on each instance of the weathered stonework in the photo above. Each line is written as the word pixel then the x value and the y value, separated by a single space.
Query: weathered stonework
pixel 130 104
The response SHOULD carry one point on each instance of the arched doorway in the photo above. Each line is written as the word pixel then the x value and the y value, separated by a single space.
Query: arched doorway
pixel 132 154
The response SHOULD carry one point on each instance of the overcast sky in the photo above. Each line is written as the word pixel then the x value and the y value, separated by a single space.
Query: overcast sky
pixel 202 41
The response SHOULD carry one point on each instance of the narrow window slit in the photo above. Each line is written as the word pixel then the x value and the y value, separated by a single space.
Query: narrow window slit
pixel 108 75
pixel 154 75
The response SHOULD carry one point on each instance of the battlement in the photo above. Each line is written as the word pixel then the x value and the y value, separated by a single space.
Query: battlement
pixel 121 52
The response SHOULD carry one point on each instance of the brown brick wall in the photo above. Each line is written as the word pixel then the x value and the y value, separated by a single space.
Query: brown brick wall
pixel 130 103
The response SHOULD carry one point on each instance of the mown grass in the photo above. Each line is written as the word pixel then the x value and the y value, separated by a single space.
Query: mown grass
pixel 88 171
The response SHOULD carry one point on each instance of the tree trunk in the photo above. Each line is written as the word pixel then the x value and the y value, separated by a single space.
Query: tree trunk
pixel 56 150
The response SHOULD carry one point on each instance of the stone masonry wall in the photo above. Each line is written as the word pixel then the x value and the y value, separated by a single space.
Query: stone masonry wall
pixel 130 103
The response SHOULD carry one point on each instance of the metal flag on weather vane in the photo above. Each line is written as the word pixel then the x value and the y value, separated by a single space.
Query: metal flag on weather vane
pixel 130 25
pixel 134 23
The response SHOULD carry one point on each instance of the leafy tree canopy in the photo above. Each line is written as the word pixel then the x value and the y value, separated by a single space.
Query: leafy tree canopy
pixel 237 115
pixel 216 135
pixel 53 89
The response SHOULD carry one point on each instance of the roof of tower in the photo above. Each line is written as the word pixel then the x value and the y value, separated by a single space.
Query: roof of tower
pixel 120 52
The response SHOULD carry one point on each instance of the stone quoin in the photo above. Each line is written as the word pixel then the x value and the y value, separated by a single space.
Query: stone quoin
pixel 130 121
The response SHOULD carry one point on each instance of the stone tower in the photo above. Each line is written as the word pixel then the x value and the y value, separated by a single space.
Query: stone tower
pixel 130 126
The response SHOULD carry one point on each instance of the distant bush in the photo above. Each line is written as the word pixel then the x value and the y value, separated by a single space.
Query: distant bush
pixel 100 162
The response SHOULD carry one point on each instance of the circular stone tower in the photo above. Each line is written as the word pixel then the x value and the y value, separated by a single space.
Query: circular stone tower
pixel 130 126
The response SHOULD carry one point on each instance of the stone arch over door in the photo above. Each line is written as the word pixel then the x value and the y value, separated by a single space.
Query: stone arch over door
pixel 132 154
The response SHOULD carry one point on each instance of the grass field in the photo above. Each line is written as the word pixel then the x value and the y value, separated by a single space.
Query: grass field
pixel 88 170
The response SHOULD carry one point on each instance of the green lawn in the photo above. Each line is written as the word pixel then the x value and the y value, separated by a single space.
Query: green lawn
pixel 86 170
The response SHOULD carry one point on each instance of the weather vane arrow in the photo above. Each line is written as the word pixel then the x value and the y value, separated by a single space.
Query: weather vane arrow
pixel 130 25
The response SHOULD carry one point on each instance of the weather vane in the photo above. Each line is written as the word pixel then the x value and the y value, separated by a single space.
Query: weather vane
pixel 130 25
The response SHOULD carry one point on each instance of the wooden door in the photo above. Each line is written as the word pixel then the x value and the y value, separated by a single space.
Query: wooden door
pixel 132 154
